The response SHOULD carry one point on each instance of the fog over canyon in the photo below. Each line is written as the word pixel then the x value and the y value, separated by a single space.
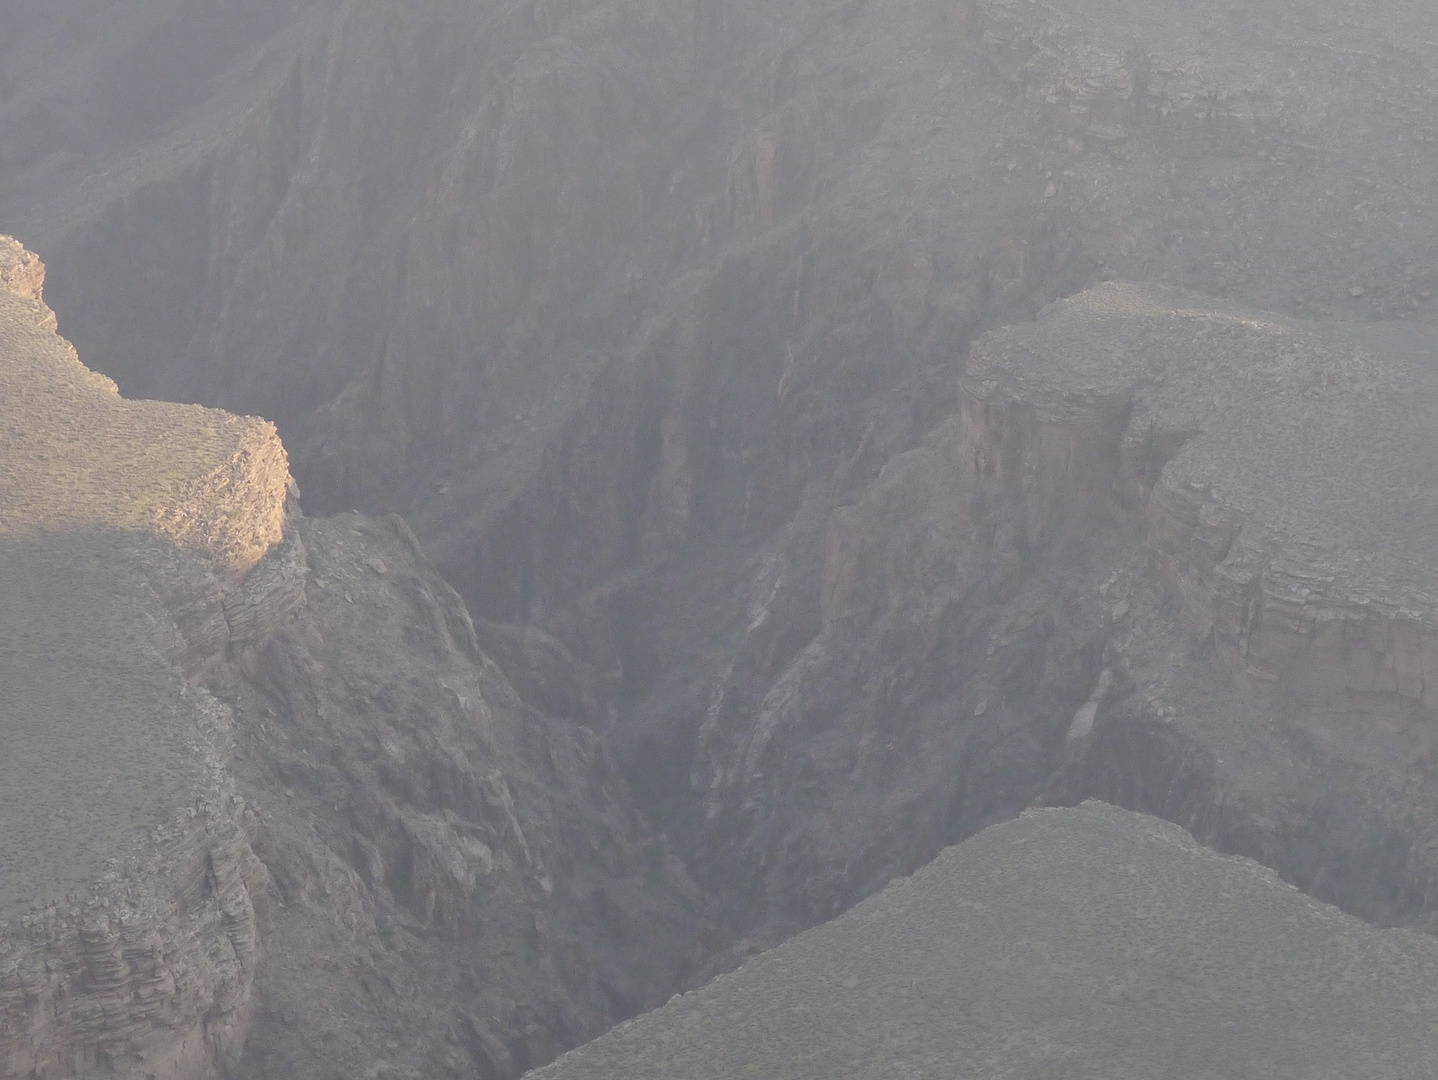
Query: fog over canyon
pixel 906 530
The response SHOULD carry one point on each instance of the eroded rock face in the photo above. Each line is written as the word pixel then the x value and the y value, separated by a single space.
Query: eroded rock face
pixel 128 929
pixel 1154 557
pixel 464 887
pixel 150 970
pixel 77 455
pixel 1285 469
pixel 266 806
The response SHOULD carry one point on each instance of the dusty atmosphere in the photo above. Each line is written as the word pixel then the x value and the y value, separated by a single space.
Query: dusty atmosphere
pixel 520 511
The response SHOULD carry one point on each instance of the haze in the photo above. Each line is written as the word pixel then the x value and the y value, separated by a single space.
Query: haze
pixel 520 517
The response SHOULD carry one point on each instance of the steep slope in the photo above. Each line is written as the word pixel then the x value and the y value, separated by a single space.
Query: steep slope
pixel 1156 557
pixel 128 898
pixel 266 808
pixel 1081 943
pixel 463 888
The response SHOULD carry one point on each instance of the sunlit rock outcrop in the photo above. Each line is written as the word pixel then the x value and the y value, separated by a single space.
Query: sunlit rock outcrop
pixel 128 935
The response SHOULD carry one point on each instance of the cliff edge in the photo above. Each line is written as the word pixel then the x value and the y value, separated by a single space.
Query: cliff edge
pixel 207 700
pixel 1284 468
pixel 77 455
pixel 130 534
pixel 1085 943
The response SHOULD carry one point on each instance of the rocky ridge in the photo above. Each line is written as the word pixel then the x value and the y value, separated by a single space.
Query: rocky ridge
pixel 1093 940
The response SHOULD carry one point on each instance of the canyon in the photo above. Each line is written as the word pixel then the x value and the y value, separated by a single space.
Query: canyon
pixel 744 451
pixel 267 806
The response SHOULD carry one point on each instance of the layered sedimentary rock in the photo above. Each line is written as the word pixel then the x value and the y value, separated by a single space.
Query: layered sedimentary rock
pixel 208 702
pixel 128 935
pixel 1089 942
pixel 1284 469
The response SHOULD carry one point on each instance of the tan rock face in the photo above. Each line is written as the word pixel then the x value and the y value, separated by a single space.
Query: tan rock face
pixel 133 552
pixel 21 271
pixel 77 455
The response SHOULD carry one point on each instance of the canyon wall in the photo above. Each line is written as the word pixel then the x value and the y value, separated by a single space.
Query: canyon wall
pixel 133 539
pixel 658 324
pixel 268 807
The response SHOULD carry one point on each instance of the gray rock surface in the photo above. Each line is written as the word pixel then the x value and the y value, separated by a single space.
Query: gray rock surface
pixel 129 892
pixel 1087 943
pixel 258 778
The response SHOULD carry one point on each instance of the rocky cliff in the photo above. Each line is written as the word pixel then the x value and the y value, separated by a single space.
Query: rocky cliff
pixel 462 885
pixel 1282 469
pixel 266 806
pixel 77 455
pixel 128 930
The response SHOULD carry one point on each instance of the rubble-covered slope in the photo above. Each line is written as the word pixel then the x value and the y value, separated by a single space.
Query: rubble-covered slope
pixel 1084 943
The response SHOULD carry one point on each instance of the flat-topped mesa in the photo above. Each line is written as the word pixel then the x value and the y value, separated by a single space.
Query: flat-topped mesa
pixel 1282 472
pixel 74 454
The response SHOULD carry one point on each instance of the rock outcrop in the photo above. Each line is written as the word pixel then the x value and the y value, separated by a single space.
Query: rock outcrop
pixel 1284 470
pixel 77 455
pixel 266 805
pixel 128 931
